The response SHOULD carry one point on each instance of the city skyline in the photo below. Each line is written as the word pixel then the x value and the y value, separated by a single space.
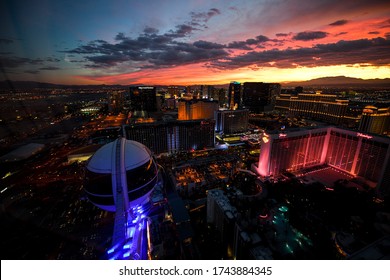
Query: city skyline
pixel 175 42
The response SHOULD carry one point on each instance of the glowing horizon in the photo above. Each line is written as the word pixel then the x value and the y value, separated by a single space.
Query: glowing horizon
pixel 195 43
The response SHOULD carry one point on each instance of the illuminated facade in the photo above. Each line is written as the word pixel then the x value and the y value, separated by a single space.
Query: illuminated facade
pixel 196 109
pixel 174 91
pixel 356 153
pixel 173 136
pixel 326 107
pixel 375 120
pixel 282 102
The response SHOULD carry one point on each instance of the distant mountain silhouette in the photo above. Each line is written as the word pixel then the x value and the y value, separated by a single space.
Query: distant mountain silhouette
pixel 341 81
pixel 338 81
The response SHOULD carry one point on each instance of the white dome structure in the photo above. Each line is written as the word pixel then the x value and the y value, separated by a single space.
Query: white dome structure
pixel 122 165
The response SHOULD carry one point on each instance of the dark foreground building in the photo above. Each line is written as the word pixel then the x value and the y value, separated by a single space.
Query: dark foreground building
pixel 173 136
pixel 259 97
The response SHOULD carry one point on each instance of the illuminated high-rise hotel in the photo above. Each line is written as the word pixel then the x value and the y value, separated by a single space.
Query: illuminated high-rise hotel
pixel 356 153
pixel 375 120
pixel 327 107
pixel 196 109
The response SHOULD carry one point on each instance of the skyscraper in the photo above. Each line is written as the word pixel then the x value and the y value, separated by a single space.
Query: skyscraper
pixel 143 98
pixel 259 97
pixel 234 95
pixel 173 136
pixel 197 109
pixel 231 121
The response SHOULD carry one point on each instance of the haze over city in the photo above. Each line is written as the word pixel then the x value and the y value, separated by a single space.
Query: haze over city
pixel 193 42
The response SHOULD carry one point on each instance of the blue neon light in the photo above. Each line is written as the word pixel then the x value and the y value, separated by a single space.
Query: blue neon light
pixel 132 230
pixel 111 251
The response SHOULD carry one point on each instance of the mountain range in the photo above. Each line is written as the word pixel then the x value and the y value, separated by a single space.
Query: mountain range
pixel 337 81
pixel 341 81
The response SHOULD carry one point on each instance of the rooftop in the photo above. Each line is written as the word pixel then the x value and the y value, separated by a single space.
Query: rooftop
pixel 22 152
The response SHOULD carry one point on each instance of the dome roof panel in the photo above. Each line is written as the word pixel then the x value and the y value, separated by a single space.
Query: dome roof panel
pixel 100 162
pixel 136 154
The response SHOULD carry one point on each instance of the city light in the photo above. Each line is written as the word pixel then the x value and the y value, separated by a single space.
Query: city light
pixel 364 135
pixel 251 169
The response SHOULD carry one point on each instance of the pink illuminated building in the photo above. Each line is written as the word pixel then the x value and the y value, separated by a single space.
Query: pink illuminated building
pixel 359 154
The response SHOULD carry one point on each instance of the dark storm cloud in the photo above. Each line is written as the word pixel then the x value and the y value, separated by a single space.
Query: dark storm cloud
pixel 120 36
pixel 150 30
pixel 339 22
pixel 310 35
pixel 204 16
pixel 208 45
pixel 184 53
pixel 160 50
pixel 49 68
pixel 92 47
pixel 52 59
pixel 181 31
pixel 239 45
pixel 154 48
pixel 374 32
pixel 341 33
pixel 246 45
pixel 261 39
pixel 373 51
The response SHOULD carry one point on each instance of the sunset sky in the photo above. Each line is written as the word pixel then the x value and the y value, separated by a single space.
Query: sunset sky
pixel 193 41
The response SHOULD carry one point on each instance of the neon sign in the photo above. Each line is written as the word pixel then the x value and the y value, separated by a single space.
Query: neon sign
pixel 281 135
pixel 364 135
